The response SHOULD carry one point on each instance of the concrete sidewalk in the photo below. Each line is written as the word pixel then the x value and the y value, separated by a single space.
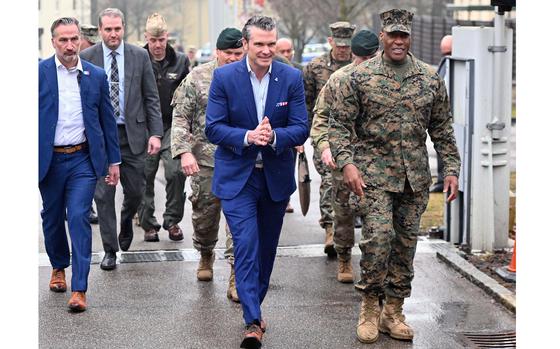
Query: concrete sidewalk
pixel 161 304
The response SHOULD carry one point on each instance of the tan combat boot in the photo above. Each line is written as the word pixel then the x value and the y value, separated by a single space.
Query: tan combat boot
pixel 329 242
pixel 368 323
pixel 232 290
pixel 345 272
pixel 204 271
pixel 392 320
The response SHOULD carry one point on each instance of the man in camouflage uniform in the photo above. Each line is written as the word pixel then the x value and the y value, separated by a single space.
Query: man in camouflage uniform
pixel 170 68
pixel 197 154
pixel 315 76
pixel 364 45
pixel 388 103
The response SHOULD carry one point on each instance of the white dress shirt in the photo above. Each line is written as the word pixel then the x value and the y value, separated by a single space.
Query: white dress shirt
pixel 260 92
pixel 70 125
pixel 107 60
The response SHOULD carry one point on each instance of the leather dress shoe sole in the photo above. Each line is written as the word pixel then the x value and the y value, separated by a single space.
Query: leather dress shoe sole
pixel 76 308
pixel 58 288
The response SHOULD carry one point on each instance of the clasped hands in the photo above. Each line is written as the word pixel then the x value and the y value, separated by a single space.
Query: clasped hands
pixel 262 134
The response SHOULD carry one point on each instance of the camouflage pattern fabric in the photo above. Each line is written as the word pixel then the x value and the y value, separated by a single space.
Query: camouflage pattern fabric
pixel 390 121
pixel 388 242
pixel 187 135
pixel 189 115
pixel 343 215
pixel 321 110
pixel 315 76
pixel 206 210
pixel 396 20
pixel 379 125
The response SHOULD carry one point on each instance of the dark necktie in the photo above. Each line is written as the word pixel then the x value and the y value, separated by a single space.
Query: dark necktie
pixel 114 92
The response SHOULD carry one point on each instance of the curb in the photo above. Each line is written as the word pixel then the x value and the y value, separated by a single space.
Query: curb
pixel 448 254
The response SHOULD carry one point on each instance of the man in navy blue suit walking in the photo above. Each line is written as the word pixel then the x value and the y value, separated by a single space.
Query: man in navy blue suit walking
pixel 78 143
pixel 256 114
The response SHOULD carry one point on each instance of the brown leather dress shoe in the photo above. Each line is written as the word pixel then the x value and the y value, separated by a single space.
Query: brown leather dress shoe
pixel 77 302
pixel 175 233
pixel 151 235
pixel 58 280
pixel 252 337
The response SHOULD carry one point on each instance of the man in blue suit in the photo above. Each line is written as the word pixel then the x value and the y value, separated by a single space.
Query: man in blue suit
pixel 78 143
pixel 256 114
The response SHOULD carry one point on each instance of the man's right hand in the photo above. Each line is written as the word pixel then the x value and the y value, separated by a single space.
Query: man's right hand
pixel 189 164
pixel 326 157
pixel 353 179
pixel 261 134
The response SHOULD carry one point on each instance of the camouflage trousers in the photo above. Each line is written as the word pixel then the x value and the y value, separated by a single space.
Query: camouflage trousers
pixel 389 237
pixel 343 217
pixel 174 189
pixel 325 190
pixel 206 209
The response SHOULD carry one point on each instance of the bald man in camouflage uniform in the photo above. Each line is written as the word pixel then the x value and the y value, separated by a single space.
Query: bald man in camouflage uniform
pixel 189 142
pixel 315 76
pixel 364 45
pixel 388 103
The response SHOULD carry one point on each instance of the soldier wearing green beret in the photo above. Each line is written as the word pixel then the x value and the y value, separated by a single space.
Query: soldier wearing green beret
pixel 377 135
pixel 189 143
pixel 315 76
pixel 364 46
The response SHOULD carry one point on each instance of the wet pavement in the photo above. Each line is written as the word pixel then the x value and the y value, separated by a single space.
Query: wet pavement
pixel 161 304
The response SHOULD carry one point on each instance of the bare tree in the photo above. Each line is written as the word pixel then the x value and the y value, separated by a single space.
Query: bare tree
pixel 304 21
pixel 135 12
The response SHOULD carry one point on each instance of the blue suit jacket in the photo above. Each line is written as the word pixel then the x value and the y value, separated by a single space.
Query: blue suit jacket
pixel 231 111
pixel 99 122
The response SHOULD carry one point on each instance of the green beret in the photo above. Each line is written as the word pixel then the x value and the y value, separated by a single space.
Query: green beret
pixel 229 38
pixel 364 43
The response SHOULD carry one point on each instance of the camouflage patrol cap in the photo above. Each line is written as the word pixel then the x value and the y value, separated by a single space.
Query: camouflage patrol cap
pixel 397 20
pixel 342 32
pixel 155 25
pixel 89 32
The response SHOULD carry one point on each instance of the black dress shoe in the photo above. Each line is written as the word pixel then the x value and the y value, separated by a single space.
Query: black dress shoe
pixel 109 261
pixel 93 219
pixel 126 235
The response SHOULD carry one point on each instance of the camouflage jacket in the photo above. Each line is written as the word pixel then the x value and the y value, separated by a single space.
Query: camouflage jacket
pixel 315 76
pixel 189 115
pixel 322 109
pixel 390 121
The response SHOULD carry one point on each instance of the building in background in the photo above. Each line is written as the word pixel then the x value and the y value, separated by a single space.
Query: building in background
pixel 49 10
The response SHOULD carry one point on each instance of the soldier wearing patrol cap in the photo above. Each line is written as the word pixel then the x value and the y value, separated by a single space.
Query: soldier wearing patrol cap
pixel 315 76
pixel 170 68
pixel 89 36
pixel 377 134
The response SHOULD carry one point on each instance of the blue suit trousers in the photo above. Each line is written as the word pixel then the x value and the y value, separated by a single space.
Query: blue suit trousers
pixel 255 221
pixel 67 191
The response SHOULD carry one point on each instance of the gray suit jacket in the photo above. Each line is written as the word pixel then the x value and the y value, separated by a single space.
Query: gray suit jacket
pixel 142 111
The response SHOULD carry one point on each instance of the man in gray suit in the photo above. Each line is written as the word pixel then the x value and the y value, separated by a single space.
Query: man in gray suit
pixel 135 101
